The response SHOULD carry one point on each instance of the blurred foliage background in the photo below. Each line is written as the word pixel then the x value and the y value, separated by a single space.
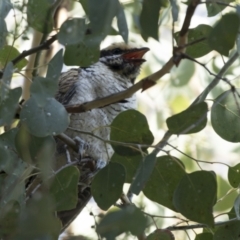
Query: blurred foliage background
pixel 27 24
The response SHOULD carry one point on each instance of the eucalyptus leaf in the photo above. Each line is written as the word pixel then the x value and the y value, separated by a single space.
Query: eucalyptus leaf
pixel 166 175
pixel 8 107
pixel 72 31
pixel 149 18
pixel 55 66
pixel 160 234
pixel 8 53
pixel 130 163
pixel 6 81
pixel 222 37
pixel 50 119
pixel 191 120
pixel 122 220
pixel 81 54
pixel 101 16
pixel 143 173
pixel 225 116
pixel 107 185
pixel 130 127
pixel 122 23
pixel 39 15
pixel 234 175
pixel 64 188
pixel 195 196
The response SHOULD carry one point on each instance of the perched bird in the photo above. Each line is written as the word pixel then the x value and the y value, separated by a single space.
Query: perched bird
pixel 116 70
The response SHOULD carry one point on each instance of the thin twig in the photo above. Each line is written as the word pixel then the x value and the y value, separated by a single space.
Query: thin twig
pixel 216 80
pixel 176 228
pixel 42 46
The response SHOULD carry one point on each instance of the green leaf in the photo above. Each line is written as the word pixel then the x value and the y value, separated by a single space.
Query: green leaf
pixel 204 236
pixel 12 185
pixel 64 188
pixel 234 175
pixel 215 8
pixel 81 54
pixel 199 49
pixel 72 31
pixel 6 81
pixel 8 156
pixel 222 37
pixel 160 187
pixel 122 23
pixel 101 16
pixel 144 172
pixel 228 231
pixel 195 196
pixel 8 53
pixel 160 234
pixel 130 163
pixel 9 220
pixel 29 147
pixel 39 15
pixel 107 185
pixel 182 74
pixel 38 221
pixel 149 18
pixel 130 127
pixel 9 105
pixel 49 119
pixel 225 116
pixel 122 220
pixel 42 89
pixel 191 120
pixel 55 66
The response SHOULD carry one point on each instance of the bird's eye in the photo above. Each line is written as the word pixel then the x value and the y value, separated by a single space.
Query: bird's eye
pixel 117 51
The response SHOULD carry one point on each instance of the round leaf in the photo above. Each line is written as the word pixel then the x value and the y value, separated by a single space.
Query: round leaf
pixel 228 231
pixel 81 54
pixel 160 234
pixel 167 173
pixel 107 185
pixel 222 37
pixel 195 196
pixel 50 119
pixel 182 74
pixel 192 120
pixel 234 175
pixel 130 163
pixel 204 236
pixel 64 188
pixel 126 219
pixel 8 53
pixel 130 127
pixel 39 15
pixel 72 31
pixel 225 116
pixel 202 48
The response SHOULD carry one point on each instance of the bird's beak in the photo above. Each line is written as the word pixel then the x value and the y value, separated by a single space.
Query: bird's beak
pixel 135 55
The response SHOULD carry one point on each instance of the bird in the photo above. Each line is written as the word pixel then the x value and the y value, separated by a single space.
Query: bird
pixel 116 70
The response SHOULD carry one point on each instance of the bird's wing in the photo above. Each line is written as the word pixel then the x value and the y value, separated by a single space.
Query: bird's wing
pixel 66 85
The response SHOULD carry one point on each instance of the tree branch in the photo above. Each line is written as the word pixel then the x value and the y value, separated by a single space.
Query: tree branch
pixel 44 45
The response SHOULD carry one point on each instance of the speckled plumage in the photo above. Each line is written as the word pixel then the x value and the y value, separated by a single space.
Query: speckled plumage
pixel 111 74
pixel 115 71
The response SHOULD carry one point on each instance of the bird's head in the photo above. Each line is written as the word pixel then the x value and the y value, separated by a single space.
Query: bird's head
pixel 124 59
